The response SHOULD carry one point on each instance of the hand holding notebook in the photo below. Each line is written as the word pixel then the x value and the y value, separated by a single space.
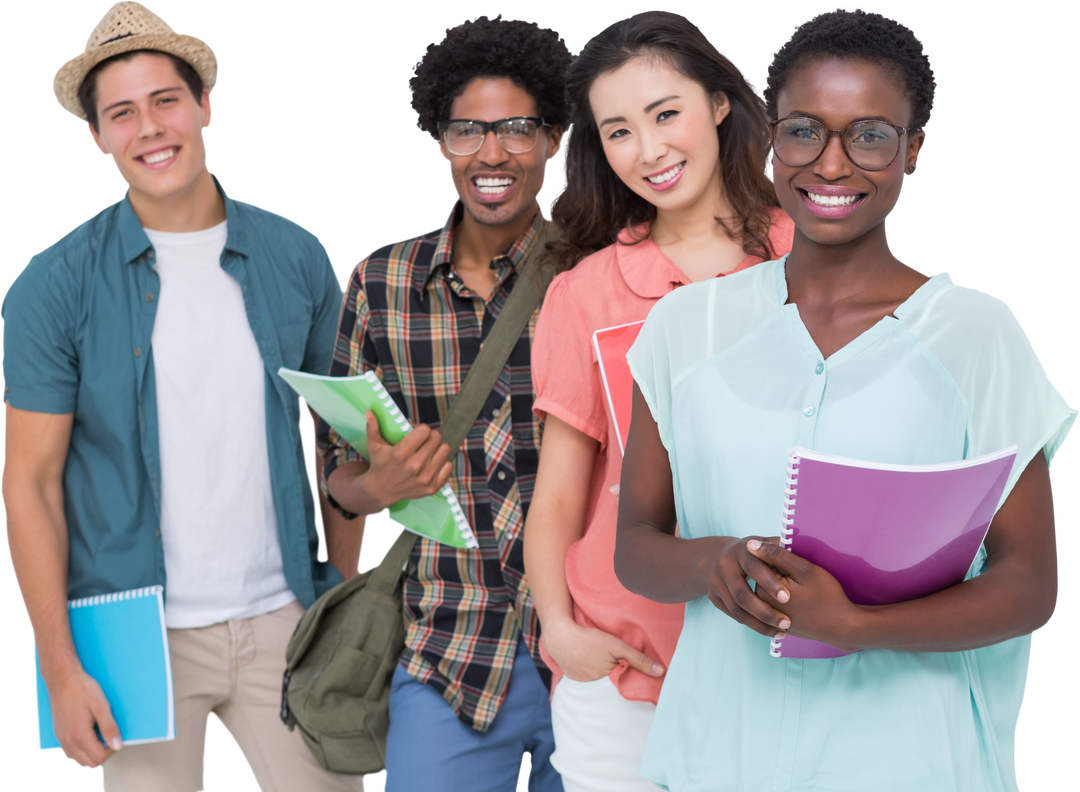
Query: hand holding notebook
pixel 886 533
pixel 122 644
pixel 417 466
pixel 343 402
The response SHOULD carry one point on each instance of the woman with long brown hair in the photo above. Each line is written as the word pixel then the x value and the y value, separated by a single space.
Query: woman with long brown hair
pixel 666 186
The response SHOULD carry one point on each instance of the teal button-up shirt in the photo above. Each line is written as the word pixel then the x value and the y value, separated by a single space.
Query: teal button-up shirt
pixel 77 329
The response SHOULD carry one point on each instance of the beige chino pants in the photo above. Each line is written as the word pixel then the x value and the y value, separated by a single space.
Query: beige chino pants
pixel 234 670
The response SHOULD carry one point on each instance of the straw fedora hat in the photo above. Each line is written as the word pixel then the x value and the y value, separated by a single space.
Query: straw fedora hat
pixel 127 27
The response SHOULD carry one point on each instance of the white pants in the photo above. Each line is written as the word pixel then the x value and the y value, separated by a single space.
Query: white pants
pixel 599 737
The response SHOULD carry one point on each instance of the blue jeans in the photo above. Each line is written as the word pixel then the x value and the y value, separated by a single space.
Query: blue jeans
pixel 429 749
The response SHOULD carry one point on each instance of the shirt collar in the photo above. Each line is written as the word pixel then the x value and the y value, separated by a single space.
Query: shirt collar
pixel 134 242
pixel 444 247
pixel 647 271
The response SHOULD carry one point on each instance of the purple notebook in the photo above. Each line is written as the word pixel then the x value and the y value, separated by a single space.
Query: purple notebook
pixel 888 533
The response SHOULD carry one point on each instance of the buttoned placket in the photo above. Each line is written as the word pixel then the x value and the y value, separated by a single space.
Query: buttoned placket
pixel 147 291
pixel 805 435
pixel 502 476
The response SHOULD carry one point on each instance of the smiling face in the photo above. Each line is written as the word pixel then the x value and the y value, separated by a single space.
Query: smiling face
pixel 495 186
pixel 151 124
pixel 831 200
pixel 658 129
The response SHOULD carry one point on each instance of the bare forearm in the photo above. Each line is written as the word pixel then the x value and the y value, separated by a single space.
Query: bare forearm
pixel 343 539
pixel 343 536
pixel 547 540
pixel 662 567
pixel 37 537
pixel 1003 603
pixel 557 514
pixel 349 484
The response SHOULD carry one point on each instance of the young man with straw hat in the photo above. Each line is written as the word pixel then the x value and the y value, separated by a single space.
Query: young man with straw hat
pixel 149 441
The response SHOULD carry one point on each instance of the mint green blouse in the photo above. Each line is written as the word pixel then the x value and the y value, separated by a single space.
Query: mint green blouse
pixel 733 379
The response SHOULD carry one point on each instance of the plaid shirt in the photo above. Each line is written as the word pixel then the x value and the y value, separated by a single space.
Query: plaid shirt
pixel 408 316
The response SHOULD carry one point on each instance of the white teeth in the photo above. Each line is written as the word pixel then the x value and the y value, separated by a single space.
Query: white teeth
pixel 492 186
pixel 833 200
pixel 667 175
pixel 159 156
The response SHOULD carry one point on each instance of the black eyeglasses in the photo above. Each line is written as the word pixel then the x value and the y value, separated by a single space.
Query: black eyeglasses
pixel 870 145
pixel 465 136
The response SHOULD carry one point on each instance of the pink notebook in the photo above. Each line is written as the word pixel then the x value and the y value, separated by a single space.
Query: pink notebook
pixel 611 345
pixel 888 533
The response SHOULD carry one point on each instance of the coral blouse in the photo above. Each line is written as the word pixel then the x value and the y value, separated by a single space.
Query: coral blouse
pixel 614 286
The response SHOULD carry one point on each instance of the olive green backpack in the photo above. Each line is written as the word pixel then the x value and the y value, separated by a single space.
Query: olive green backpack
pixel 344 651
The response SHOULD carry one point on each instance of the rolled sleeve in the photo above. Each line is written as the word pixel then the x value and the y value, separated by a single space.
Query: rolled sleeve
pixel 347 361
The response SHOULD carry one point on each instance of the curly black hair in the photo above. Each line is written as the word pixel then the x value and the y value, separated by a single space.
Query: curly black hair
pixel 858 34
pixel 532 57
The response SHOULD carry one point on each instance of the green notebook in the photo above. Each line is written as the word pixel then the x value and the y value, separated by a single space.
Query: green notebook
pixel 342 402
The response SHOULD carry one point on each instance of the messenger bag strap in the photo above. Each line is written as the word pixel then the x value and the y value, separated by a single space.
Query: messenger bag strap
pixel 527 293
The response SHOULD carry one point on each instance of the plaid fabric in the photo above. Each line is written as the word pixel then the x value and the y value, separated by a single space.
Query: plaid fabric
pixel 408 317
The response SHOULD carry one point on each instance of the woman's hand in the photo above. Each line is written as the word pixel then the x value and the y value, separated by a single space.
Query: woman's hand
pixel 815 602
pixel 586 653
pixel 727 570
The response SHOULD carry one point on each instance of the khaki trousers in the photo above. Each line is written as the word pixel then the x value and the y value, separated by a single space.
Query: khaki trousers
pixel 234 670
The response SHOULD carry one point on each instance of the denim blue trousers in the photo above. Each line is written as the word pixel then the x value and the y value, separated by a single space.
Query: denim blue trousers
pixel 429 749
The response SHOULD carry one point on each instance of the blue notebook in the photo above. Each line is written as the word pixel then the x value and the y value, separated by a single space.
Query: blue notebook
pixel 121 641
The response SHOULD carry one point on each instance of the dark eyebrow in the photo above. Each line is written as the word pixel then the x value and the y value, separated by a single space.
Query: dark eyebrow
pixel 649 109
pixel 804 114
pixel 659 102
pixel 129 101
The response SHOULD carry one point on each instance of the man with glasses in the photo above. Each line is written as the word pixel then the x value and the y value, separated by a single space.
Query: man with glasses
pixel 470 695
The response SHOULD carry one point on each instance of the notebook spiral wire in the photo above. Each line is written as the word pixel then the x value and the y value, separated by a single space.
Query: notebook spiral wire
pixel 101 599
pixel 447 491
pixel 787 521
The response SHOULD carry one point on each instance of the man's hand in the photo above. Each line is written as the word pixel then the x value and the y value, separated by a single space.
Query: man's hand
pixel 417 466
pixel 78 705
pixel 586 653
pixel 36 450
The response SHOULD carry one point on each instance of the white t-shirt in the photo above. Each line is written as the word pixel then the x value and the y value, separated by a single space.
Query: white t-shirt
pixel 218 523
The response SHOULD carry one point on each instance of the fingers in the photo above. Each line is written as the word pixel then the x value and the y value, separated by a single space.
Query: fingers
pixel 110 732
pixel 374 435
pixel 789 564
pixel 80 741
pixel 762 571
pixel 730 592
pixel 417 466
pixel 639 660
pixel 750 611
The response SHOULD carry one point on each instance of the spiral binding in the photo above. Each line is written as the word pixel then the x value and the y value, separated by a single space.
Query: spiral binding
pixel 787 520
pixel 102 599
pixel 388 402
pixel 459 517
pixel 460 521
pixel 791 481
